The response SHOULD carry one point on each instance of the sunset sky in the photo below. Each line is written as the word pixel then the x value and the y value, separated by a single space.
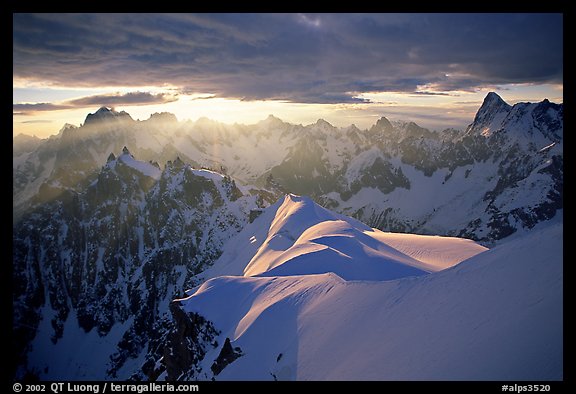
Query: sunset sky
pixel 434 69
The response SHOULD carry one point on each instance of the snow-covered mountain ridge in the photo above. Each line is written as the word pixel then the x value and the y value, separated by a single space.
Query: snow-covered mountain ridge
pixel 303 293
pixel 503 174
pixel 497 315
pixel 102 244
pixel 297 236
pixel 102 265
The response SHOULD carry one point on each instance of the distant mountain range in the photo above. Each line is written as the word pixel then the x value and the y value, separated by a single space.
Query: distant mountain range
pixel 115 219
pixel 502 174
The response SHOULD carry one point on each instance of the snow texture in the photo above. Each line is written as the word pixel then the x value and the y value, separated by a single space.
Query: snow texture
pixel 145 168
pixel 495 316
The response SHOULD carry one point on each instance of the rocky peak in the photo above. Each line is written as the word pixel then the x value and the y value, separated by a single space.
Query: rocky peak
pixel 272 118
pixel 163 117
pixel 324 124
pixel 549 117
pixel 271 122
pixel 383 125
pixel 105 114
pixel 178 163
pixel 492 108
pixel 67 126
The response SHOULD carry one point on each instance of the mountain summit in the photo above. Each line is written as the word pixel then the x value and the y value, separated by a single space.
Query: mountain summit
pixel 492 99
pixel 492 111
pixel 106 114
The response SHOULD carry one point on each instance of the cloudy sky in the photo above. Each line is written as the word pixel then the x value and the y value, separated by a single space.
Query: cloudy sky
pixel 434 69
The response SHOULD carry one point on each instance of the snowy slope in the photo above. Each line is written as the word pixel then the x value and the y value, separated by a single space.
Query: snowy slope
pixel 496 316
pixel 434 253
pixel 296 236
pixel 146 169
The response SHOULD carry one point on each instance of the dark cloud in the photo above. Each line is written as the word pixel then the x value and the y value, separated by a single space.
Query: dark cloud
pixel 422 93
pixel 322 58
pixel 203 97
pixel 27 109
pixel 131 98
pixel 38 107
pixel 37 121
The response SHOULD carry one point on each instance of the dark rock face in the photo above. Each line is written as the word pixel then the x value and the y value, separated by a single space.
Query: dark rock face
pixel 119 252
pixel 107 115
pixel 381 175
pixel 186 344
pixel 226 357
pixel 492 107
pixel 303 160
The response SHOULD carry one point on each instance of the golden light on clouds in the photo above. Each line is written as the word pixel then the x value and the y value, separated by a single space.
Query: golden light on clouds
pixel 299 67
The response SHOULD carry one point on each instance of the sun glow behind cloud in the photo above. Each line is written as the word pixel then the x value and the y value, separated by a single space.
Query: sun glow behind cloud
pixel 456 109
pixel 434 69
pixel 190 107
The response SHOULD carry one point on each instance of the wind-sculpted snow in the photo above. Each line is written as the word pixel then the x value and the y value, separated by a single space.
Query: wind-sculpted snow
pixel 431 252
pixel 297 236
pixel 145 168
pixel 304 238
pixel 495 316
